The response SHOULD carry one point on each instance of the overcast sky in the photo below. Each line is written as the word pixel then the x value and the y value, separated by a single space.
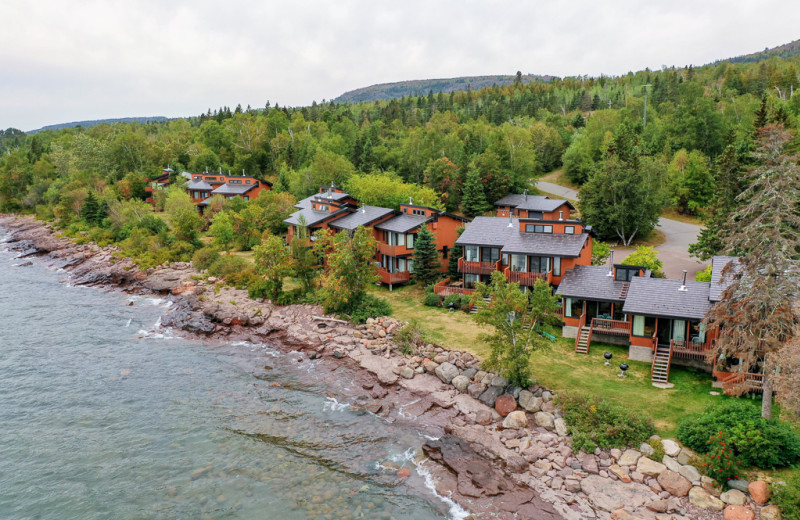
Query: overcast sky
pixel 72 60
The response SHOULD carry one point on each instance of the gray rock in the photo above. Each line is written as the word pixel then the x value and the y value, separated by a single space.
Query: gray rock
pixel 516 420
pixel 734 497
pixel 545 420
pixel 690 472
pixel 490 395
pixel 646 449
pixel 649 467
pixel 469 373
pixel 499 381
pixel 611 495
pixel 629 457
pixel 547 396
pixel 446 372
pixel 672 464
pixel 461 383
pixel 671 447
pixel 740 484
pixel 407 373
pixel 476 389
pixel 561 427
pixel 701 498
pixel 686 456
pixel 529 402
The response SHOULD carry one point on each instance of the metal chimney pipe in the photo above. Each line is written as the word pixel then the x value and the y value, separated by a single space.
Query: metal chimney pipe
pixel 683 282
pixel 611 263
pixel 560 215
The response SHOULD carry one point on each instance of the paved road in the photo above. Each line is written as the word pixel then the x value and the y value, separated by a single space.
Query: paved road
pixel 674 252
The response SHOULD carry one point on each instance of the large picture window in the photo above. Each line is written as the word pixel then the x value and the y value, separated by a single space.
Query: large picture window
pixel 490 254
pixel 471 253
pixel 644 326
pixel 573 308
pixel 519 263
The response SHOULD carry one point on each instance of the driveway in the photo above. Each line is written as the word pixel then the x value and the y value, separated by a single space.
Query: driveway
pixel 674 252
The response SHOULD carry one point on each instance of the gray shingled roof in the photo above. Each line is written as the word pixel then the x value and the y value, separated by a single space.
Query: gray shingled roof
pixel 199 186
pixel 718 283
pixel 488 231
pixel 532 202
pixel 590 282
pixel 545 244
pixel 362 216
pixel 312 217
pixel 661 297
pixel 233 189
pixel 403 223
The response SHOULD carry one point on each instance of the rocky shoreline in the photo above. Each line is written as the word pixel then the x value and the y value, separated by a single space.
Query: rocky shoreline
pixel 501 452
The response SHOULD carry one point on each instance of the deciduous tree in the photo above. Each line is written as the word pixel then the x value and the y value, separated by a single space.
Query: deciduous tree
pixel 349 266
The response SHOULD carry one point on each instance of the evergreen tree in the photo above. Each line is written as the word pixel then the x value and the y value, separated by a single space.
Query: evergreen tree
pixel 282 186
pixel 473 200
pixel 426 258
pixel 455 253
pixel 90 209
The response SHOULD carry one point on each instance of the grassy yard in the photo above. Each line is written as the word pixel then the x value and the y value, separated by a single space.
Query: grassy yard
pixel 558 367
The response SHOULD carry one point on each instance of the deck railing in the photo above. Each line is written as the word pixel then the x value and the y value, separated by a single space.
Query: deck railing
pixel 444 290
pixel 386 249
pixel 742 383
pixel 611 327
pixel 392 278
pixel 690 349
pixel 525 278
pixel 477 267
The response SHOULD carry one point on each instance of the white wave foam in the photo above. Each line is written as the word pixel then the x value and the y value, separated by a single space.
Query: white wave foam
pixel 129 322
pixel 332 405
pixel 455 511
pixel 402 414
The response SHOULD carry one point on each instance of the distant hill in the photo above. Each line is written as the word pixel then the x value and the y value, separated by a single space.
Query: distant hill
pixel 422 87
pixel 87 124
pixel 787 50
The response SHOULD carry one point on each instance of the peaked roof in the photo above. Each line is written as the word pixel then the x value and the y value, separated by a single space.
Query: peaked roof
pixel 533 202
pixel 662 297
pixel 591 282
pixel 361 217
pixel 403 223
pixel 718 282
pixel 199 186
pixel 234 189
pixel 496 232
pixel 488 231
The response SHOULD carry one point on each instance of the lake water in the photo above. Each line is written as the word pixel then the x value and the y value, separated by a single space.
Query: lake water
pixel 102 418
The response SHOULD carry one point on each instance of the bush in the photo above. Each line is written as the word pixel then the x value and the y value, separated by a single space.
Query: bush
pixel 454 299
pixel 720 464
pixel 366 306
pixel 597 423
pixel 431 299
pixel 226 265
pixel 410 337
pixel 658 449
pixel 290 297
pixel 203 258
pixel 242 279
pixel 787 497
pixel 756 441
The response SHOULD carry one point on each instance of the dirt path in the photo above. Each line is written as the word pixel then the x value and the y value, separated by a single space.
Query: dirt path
pixel 674 252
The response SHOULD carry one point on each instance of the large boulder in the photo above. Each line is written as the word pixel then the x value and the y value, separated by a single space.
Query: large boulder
pixel 612 495
pixel 690 472
pixel 461 383
pixel 701 498
pixel 760 491
pixel 505 404
pixel 561 427
pixel 490 395
pixel 649 467
pixel 674 483
pixel 529 402
pixel 671 447
pixel 734 497
pixel 516 420
pixel 740 484
pixel 771 512
pixel 545 420
pixel 738 513
pixel 629 457
pixel 446 372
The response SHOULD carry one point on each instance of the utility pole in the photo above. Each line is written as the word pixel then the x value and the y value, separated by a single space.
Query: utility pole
pixel 644 117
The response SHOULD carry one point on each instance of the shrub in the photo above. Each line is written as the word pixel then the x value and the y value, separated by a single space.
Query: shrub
pixel 242 279
pixel 410 337
pixel 289 297
pixel 366 306
pixel 787 497
pixel 431 299
pixel 658 449
pixel 595 422
pixel 720 463
pixel 454 299
pixel 756 441
pixel 226 265
pixel 203 258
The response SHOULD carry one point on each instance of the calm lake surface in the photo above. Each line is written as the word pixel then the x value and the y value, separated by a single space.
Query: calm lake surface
pixel 102 418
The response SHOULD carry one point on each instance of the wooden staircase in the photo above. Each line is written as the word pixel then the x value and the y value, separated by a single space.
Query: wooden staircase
pixel 478 305
pixel 659 373
pixel 583 340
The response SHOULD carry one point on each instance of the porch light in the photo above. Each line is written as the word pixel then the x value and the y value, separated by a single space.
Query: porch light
pixel 608 357
pixel 623 367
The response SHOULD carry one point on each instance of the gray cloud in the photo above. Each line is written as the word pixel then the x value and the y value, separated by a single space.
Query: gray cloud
pixel 65 61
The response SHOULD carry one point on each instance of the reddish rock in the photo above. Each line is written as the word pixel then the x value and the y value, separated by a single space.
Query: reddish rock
pixel 404 473
pixel 738 513
pixel 674 483
pixel 505 404
pixel 760 491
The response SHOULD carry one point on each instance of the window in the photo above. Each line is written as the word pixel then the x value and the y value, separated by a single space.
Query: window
pixel 470 280
pixel 401 265
pixel 519 263
pixel 536 214
pixel 574 308
pixel 679 330
pixel 539 264
pixel 569 230
pixel 538 228
pixel 556 266
pixel 505 259
pixel 410 265
pixel 471 253
pixel 490 254
pixel 410 241
pixel 644 326
pixel 625 275
pixel 247 182
pixel 246 197
pixel 418 212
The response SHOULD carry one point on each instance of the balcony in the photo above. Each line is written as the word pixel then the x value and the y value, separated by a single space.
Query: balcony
pixel 386 249
pixel 526 278
pixel 611 327
pixel 445 288
pixel 477 267
pixel 690 349
pixel 393 278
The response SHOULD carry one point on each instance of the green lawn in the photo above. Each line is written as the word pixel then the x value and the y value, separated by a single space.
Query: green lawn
pixel 558 367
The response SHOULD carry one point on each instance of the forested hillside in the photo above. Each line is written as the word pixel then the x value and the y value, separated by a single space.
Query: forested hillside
pixel 95 122
pixel 690 154
pixel 787 50
pixel 422 87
